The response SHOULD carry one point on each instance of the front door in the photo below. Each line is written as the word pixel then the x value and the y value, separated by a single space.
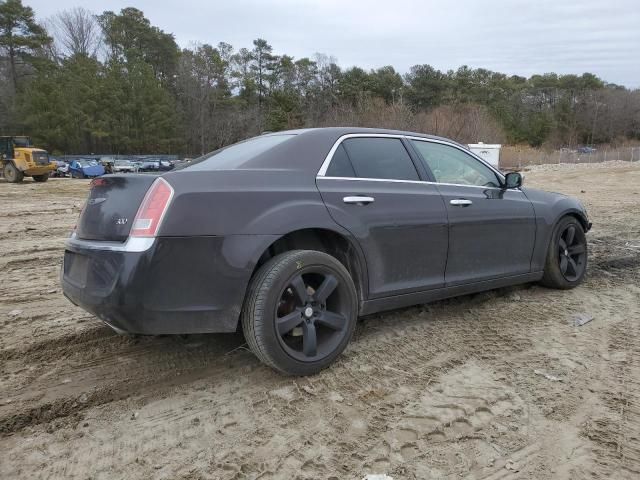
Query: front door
pixel 372 189
pixel 491 229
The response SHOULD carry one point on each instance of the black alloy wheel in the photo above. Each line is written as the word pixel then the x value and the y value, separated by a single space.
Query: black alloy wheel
pixel 566 262
pixel 300 311
pixel 572 252
pixel 311 314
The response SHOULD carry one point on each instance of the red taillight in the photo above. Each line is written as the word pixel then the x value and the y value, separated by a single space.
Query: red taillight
pixel 98 182
pixel 153 208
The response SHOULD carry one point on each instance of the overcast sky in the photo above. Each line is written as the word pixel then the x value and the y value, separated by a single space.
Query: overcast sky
pixel 516 37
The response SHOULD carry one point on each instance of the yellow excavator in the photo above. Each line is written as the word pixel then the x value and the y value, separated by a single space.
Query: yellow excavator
pixel 19 158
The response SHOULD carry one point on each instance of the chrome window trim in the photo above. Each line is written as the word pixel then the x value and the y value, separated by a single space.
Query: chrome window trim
pixel 132 244
pixel 325 165
pixel 388 180
pixel 424 182
pixel 327 161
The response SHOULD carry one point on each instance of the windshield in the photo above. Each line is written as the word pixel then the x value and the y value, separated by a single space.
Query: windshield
pixel 235 155
pixel 123 162
pixel 22 141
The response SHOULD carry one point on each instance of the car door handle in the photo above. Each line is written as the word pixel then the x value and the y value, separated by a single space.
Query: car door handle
pixel 460 202
pixel 358 200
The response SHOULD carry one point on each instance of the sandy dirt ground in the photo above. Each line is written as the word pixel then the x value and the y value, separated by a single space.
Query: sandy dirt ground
pixel 496 385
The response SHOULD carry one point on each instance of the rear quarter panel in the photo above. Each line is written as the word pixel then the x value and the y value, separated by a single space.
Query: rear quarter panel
pixel 242 202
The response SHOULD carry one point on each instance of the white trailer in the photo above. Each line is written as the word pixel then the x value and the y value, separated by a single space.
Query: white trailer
pixel 490 152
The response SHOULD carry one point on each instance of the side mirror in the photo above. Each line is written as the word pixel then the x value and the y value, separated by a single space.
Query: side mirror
pixel 513 180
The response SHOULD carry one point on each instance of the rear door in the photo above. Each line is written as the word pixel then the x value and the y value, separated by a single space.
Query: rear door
pixel 372 188
pixel 491 230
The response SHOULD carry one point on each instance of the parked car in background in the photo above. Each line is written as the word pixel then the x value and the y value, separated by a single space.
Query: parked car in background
pixel 586 150
pixel 149 166
pixel 156 165
pixel 124 166
pixel 85 168
pixel 295 234
pixel 62 169
pixel 137 164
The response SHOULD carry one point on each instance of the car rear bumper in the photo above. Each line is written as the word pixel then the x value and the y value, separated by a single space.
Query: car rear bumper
pixel 167 285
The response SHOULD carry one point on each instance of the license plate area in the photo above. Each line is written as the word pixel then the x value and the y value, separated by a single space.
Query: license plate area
pixel 76 268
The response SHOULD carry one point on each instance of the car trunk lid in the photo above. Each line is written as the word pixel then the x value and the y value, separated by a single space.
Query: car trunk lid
pixel 111 207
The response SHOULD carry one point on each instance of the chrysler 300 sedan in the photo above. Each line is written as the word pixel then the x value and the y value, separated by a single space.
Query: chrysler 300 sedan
pixel 292 235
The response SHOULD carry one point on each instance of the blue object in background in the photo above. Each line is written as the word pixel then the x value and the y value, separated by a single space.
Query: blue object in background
pixel 85 169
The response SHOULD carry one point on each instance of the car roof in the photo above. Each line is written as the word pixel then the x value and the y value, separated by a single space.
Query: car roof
pixel 310 147
pixel 340 131
pixel 307 149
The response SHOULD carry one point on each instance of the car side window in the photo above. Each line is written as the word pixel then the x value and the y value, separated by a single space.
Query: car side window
pixel 384 158
pixel 340 165
pixel 451 165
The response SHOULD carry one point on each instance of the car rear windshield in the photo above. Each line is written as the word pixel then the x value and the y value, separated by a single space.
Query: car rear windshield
pixel 234 156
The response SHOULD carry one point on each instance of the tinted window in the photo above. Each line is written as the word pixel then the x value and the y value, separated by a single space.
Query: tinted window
pixel 340 165
pixel 380 158
pixel 235 155
pixel 452 165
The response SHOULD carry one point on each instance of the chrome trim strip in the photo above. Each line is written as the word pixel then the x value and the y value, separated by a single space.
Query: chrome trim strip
pixel 132 244
pixel 327 161
pixel 389 180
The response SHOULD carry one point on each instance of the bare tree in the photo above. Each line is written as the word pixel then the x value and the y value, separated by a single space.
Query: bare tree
pixel 77 32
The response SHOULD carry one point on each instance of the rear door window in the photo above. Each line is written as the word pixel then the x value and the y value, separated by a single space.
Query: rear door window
pixel 384 158
pixel 340 164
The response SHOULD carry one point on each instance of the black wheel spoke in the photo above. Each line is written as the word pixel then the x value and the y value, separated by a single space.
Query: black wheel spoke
pixel 300 289
pixel 334 321
pixel 288 322
pixel 562 245
pixel 576 249
pixel 572 268
pixel 570 235
pixel 326 288
pixel 563 264
pixel 309 339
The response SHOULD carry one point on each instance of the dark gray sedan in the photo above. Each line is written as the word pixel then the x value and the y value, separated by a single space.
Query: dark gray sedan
pixel 292 235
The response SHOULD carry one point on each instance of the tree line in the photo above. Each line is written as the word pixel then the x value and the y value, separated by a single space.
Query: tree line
pixel 114 83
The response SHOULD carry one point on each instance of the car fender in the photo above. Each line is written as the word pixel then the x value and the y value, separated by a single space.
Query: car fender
pixel 549 208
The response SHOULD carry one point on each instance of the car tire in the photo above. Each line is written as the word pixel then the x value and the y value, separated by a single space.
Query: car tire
pixel 12 174
pixel 566 262
pixel 300 311
pixel 41 178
